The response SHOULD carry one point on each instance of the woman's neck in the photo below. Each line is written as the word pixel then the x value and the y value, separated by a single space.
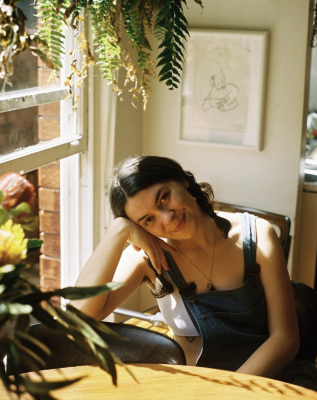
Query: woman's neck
pixel 204 237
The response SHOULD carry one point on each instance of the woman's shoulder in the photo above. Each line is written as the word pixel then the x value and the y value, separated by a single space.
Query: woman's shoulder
pixel 233 218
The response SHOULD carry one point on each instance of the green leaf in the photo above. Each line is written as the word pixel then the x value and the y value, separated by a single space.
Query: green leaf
pixel 58 5
pixel 7 268
pixel 2 196
pixel 34 244
pixel 30 354
pixel 165 52
pixel 146 44
pixel 14 308
pixel 43 387
pixel 97 325
pixel 164 60
pixel 70 293
pixel 22 323
pixel 21 208
pixel 166 76
pixel 4 215
pixel 166 68
pixel 39 344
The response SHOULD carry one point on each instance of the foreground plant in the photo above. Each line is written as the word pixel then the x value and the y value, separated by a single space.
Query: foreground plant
pixel 20 300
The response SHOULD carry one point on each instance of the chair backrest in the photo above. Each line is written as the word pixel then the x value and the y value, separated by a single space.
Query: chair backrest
pixel 143 346
pixel 306 308
pixel 281 223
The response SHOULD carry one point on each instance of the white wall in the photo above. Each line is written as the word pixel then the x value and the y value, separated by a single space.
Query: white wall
pixel 271 179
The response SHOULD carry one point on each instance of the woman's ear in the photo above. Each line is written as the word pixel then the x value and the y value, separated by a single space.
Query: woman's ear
pixel 186 184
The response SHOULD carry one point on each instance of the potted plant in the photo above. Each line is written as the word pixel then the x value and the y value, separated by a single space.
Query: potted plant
pixel 110 21
pixel 20 300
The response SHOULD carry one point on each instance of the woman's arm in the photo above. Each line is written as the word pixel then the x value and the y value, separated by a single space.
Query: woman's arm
pixel 110 263
pixel 283 342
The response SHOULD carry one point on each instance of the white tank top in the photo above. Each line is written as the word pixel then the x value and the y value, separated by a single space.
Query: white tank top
pixel 175 314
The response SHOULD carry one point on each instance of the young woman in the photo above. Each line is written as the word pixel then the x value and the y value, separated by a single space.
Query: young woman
pixel 220 278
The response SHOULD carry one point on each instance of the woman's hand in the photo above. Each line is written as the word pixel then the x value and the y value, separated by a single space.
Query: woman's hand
pixel 152 246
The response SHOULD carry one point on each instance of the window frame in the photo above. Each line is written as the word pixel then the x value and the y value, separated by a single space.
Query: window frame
pixel 86 157
pixel 44 153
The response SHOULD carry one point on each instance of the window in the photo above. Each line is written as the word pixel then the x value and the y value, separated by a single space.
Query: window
pixel 37 129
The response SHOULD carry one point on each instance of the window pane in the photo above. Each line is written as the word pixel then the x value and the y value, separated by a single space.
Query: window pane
pixel 29 126
pixel 29 71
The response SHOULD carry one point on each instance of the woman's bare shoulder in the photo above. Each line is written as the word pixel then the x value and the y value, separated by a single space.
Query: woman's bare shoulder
pixel 233 218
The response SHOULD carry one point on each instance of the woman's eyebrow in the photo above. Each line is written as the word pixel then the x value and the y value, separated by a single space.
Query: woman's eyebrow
pixel 158 194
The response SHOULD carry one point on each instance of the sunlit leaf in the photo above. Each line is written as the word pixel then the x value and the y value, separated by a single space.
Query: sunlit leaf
pixel 4 215
pixel 15 308
pixel 38 343
pixel 94 323
pixel 7 268
pixel 44 387
pixel 30 224
pixel 58 5
pixel 21 208
pixel 70 293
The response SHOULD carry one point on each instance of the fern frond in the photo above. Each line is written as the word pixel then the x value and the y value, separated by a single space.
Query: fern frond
pixel 171 19
pixel 51 28
pixel 106 36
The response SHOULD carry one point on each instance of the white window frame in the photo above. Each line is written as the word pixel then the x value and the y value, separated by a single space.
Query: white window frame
pixel 83 175
pixel 33 157
pixel 84 183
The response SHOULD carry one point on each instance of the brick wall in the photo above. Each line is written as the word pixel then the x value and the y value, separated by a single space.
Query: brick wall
pixel 49 226
pixel 49 192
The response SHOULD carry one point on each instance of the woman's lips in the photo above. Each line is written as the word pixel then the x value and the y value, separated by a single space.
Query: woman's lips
pixel 180 224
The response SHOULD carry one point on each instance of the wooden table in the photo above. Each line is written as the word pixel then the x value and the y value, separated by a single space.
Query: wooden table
pixel 169 382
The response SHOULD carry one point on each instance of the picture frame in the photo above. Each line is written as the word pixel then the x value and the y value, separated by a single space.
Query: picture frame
pixel 223 88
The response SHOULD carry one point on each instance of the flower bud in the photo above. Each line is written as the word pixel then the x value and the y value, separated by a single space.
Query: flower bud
pixel 16 190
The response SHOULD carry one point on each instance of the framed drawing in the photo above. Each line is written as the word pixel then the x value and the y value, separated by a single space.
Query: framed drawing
pixel 223 88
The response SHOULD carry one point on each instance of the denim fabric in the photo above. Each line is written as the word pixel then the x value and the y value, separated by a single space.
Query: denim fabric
pixel 231 323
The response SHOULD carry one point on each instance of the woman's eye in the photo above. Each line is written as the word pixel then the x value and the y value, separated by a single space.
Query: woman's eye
pixel 164 197
pixel 147 221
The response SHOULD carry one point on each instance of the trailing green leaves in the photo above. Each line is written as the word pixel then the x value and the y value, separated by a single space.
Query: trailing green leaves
pixel 106 36
pixel 172 21
pixel 52 28
pixel 113 23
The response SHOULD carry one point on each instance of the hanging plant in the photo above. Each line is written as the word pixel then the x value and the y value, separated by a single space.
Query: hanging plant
pixel 111 21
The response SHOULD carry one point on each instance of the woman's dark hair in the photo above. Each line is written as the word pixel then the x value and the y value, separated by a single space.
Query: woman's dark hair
pixel 140 172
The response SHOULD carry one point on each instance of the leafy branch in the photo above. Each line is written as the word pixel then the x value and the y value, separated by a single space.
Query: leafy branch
pixel 113 23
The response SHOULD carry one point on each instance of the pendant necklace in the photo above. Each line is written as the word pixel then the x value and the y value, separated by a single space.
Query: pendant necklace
pixel 210 286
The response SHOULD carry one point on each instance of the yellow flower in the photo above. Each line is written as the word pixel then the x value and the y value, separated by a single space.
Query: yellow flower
pixel 13 246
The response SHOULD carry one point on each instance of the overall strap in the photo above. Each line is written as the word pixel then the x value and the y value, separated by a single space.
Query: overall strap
pixel 187 290
pixel 251 268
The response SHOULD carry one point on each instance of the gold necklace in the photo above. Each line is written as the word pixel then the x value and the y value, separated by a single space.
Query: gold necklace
pixel 210 286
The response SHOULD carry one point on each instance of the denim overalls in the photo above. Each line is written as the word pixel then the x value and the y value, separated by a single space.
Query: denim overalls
pixel 233 323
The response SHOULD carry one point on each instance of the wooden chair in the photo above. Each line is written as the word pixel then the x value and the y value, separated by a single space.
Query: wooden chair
pixel 142 346
pixel 305 297
pixel 281 223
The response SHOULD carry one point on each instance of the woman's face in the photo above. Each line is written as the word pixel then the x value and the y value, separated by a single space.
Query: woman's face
pixel 165 210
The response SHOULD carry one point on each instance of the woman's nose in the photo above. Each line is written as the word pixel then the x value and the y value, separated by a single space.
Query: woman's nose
pixel 167 216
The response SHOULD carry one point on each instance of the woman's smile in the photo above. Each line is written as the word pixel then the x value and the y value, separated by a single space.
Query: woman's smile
pixel 180 224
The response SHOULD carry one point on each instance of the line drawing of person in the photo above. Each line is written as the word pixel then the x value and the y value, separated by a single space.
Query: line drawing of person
pixel 222 95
